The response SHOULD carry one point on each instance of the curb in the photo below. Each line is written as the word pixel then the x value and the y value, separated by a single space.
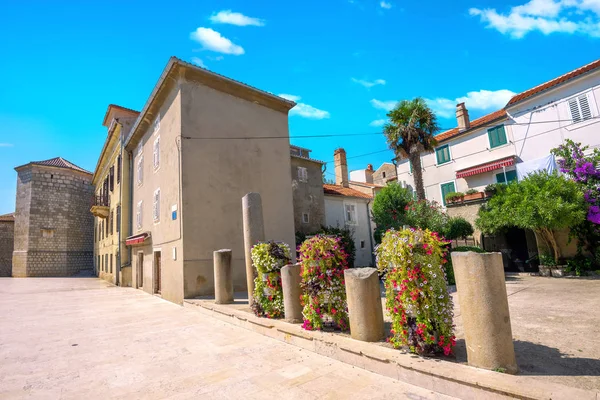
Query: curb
pixel 456 380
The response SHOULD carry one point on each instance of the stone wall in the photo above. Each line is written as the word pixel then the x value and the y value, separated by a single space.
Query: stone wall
pixel 308 196
pixel 469 212
pixel 53 225
pixel 6 247
pixel 383 173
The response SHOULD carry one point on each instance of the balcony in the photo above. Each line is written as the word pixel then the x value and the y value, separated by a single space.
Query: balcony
pixel 100 206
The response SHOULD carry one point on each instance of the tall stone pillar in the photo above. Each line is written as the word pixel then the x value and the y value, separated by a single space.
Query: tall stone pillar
pixel 484 310
pixel 364 304
pixel 223 276
pixel 290 282
pixel 254 232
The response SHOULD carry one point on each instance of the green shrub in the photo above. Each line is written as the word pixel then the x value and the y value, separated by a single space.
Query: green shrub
pixel 547 260
pixel 472 191
pixel 468 248
pixel 389 208
pixel 454 196
pixel 426 214
pixel 457 228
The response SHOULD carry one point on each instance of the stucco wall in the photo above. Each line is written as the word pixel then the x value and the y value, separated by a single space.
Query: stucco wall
pixel 7 229
pixel 308 196
pixel 387 169
pixel 334 212
pixel 218 173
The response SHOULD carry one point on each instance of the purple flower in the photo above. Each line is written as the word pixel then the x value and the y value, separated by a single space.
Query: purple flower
pixel 594 214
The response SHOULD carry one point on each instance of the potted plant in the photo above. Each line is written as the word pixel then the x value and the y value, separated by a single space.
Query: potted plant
pixel 454 197
pixel 547 265
pixel 490 189
pixel 473 194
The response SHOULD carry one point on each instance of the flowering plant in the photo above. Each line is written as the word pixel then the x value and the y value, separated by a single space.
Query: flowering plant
pixel 268 259
pixel 323 292
pixel 417 298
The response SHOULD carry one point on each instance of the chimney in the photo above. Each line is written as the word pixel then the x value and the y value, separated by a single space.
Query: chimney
pixel 341 167
pixel 462 117
pixel 369 173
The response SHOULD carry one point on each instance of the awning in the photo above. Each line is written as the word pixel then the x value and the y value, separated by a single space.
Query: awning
pixel 137 239
pixel 491 166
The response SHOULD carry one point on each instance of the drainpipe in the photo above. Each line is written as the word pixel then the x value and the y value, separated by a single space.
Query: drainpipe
pixel 130 227
pixel 370 234
pixel 120 264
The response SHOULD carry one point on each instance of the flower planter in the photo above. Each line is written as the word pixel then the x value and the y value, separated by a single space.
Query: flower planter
pixel 474 196
pixel 545 270
pixel 268 258
pixel 559 271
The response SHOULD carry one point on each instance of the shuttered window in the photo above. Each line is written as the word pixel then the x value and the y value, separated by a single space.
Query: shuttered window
pixel 302 174
pixel 156 206
pixel 111 178
pixel 497 136
pixel 156 153
pixel 118 221
pixel 447 188
pixel 119 169
pixel 580 108
pixel 140 170
pixel 442 154
pixel 350 211
pixel 138 216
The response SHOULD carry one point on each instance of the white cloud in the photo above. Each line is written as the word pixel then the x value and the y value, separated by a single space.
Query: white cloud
pixel 212 40
pixel 479 100
pixel 234 18
pixel 217 58
pixel 6 145
pixel 304 110
pixel 385 5
pixel 369 84
pixel 198 61
pixel 545 16
pixel 378 122
pixel 384 105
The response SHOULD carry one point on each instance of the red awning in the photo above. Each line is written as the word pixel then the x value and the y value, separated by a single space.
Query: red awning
pixel 491 166
pixel 137 239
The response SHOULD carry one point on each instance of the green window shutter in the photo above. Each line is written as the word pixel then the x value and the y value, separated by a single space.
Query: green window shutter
pixel 442 154
pixel 447 188
pixel 497 136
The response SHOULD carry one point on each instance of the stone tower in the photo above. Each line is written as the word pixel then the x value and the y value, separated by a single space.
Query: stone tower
pixel 54 230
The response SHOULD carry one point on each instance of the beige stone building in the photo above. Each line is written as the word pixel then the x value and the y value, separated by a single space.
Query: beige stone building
pixel 111 206
pixel 201 142
pixel 7 239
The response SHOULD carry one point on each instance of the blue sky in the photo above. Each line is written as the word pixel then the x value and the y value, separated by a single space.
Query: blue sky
pixel 345 62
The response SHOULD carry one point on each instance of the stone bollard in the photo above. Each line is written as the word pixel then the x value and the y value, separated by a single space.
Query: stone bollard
pixel 290 282
pixel 484 310
pixel 223 276
pixel 254 232
pixel 364 304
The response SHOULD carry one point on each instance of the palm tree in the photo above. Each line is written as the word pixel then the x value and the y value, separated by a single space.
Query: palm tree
pixel 411 131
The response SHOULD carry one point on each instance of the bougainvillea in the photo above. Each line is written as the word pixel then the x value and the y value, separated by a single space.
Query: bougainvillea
pixel 268 259
pixel 417 295
pixel 323 292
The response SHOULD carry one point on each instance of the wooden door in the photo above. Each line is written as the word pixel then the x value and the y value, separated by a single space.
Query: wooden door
pixel 157 272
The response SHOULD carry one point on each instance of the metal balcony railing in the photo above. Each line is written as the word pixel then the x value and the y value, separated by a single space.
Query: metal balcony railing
pixel 100 201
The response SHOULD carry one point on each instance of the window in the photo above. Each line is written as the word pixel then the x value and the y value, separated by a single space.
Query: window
pixel 107 225
pixel 105 192
pixel 156 206
pixel 510 176
pixel 111 263
pixel 305 218
pixel 383 174
pixel 102 263
pixel 156 153
pixel 447 188
pixel 119 169
pixel 156 126
pixel 111 221
pixel 138 216
pixel 580 108
pixel 497 136
pixel 442 154
pixel 118 221
pixel 362 244
pixel 350 214
pixel 111 178
pixel 302 174
pixel 140 170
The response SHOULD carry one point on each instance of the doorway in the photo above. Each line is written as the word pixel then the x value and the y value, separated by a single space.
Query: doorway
pixel 157 258
pixel 140 271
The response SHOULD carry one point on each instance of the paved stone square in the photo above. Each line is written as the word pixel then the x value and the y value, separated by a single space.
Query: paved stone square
pixel 82 338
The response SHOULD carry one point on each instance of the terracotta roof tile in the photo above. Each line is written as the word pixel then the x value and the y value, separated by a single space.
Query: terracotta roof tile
pixel 58 162
pixel 554 82
pixel 7 217
pixel 337 190
pixel 475 124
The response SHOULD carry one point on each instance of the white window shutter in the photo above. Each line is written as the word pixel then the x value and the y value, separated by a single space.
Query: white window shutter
pixel 156 206
pixel 139 215
pixel 586 112
pixel 140 170
pixel 574 107
pixel 156 153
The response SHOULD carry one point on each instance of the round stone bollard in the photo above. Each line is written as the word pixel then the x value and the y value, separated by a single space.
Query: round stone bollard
pixel 254 232
pixel 290 282
pixel 484 310
pixel 364 304
pixel 223 276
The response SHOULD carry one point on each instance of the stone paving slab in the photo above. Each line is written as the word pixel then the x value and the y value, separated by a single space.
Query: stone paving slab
pixel 74 338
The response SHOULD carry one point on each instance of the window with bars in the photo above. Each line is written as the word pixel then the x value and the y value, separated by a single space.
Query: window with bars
pixel 442 154
pixel 138 215
pixel 156 206
pixel 119 169
pixel 580 108
pixel 302 174
pixel 111 178
pixel 156 153
pixel 497 136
